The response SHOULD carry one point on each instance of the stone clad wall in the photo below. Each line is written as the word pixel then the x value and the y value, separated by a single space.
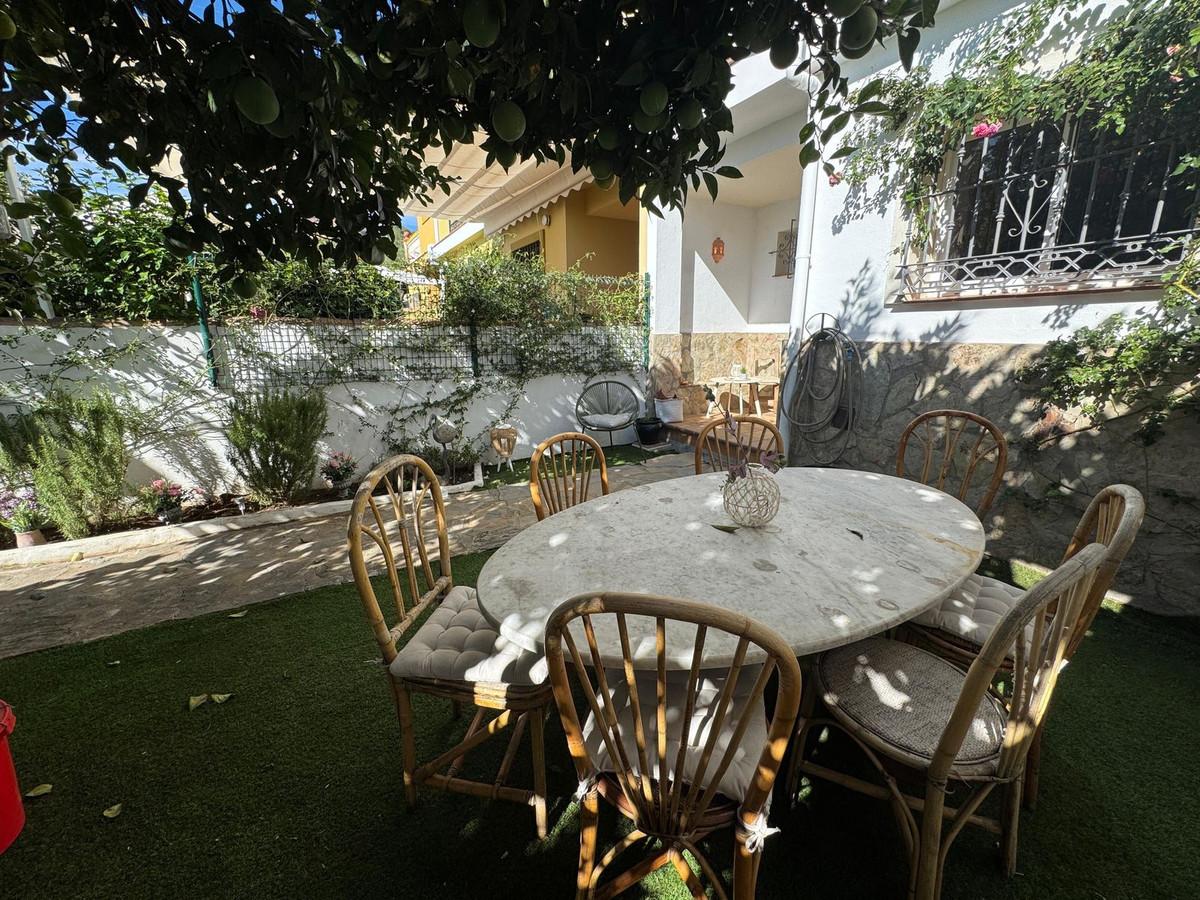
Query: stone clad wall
pixel 1046 489
pixel 684 363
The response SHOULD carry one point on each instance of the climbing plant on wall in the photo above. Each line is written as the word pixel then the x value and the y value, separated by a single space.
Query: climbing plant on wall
pixel 1139 70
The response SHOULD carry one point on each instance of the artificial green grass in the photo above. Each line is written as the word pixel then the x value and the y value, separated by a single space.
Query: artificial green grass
pixel 620 455
pixel 292 788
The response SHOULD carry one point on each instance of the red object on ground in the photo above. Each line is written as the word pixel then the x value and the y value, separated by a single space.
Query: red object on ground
pixel 12 811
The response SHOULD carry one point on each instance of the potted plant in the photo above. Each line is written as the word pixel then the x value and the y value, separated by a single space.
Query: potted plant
pixel 750 492
pixel 338 468
pixel 164 499
pixel 649 429
pixel 21 512
pixel 669 408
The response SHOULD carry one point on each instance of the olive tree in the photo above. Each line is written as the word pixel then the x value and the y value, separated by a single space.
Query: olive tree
pixel 302 127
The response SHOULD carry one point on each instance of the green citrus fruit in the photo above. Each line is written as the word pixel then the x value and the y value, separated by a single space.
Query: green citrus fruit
pixel 245 286
pixel 853 52
pixel 605 183
pixel 653 98
pixel 690 113
pixel 508 121
pixel 8 28
pixel 256 100
pixel 843 8
pixel 601 168
pixel 481 22
pixel 784 50
pixel 859 30
pixel 646 124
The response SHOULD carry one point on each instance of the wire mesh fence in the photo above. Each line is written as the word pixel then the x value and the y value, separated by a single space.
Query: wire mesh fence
pixel 280 353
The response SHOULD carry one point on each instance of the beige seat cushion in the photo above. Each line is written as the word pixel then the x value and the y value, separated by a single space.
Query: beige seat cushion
pixel 458 643
pixel 735 783
pixel 903 696
pixel 975 609
pixel 602 421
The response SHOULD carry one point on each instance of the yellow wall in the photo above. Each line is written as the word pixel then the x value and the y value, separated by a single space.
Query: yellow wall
pixel 429 232
pixel 585 223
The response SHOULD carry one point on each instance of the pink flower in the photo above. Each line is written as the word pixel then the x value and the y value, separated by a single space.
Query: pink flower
pixel 157 484
pixel 986 129
pixel 1175 78
pixel 1174 48
pixel 835 178
pixel 258 313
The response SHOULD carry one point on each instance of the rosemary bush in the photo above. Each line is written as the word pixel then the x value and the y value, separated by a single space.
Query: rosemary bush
pixel 273 441
pixel 75 450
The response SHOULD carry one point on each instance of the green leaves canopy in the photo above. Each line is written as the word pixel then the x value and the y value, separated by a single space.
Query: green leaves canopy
pixel 300 128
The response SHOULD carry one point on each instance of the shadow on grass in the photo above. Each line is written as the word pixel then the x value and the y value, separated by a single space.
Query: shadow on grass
pixel 293 787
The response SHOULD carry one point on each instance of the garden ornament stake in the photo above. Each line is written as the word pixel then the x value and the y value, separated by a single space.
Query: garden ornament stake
pixel 445 433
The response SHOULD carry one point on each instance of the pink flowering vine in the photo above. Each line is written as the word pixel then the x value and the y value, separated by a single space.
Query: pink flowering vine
pixel 986 129
pixel 835 178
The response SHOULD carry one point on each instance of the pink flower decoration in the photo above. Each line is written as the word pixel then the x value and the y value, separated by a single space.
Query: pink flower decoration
pixel 986 129
pixel 835 178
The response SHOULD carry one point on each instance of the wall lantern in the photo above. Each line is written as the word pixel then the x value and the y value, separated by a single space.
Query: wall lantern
pixel 545 220
pixel 718 250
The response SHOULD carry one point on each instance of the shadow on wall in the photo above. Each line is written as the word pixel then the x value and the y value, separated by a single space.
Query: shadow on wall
pixel 1057 460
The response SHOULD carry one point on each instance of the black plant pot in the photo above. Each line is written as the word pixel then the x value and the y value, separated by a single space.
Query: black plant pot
pixel 649 429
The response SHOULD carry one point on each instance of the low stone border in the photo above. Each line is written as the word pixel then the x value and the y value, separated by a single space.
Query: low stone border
pixel 122 541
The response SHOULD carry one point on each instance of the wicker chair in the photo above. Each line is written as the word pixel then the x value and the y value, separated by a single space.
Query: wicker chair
pixel 560 472
pixel 716 447
pixel 963 445
pixel 958 628
pixel 455 654
pixel 904 706
pixel 681 753
pixel 607 406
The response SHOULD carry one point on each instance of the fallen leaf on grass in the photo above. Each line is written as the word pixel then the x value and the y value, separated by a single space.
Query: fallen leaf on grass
pixel 197 701
pixel 112 812
pixel 40 791
pixel 857 534
pixel 728 529
pixel 113 662
pixel 221 698
pixel 237 615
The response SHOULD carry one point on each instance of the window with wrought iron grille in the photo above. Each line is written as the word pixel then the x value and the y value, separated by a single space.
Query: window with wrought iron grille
pixel 1051 207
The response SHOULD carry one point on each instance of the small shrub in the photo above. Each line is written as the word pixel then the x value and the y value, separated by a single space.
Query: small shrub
pixel 338 467
pixel 20 510
pixel 78 457
pixel 273 442
pixel 161 496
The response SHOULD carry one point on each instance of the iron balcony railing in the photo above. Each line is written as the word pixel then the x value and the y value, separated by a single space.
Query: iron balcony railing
pixel 1049 208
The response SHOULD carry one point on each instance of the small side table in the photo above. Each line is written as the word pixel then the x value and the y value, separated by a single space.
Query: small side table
pixel 754 382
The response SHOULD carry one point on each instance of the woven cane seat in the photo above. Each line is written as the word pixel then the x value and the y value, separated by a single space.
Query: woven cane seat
pixel 899 697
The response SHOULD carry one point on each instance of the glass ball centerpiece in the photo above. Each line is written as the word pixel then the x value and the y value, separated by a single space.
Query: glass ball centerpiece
pixel 750 492
pixel 752 499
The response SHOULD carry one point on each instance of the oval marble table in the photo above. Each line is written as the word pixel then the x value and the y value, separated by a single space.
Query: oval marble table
pixel 849 555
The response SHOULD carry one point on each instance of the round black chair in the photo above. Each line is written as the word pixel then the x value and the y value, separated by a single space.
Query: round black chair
pixel 607 406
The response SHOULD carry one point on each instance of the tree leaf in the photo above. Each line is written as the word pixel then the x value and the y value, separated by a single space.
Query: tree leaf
pixel 728 529
pixel 40 791
pixel 197 701
pixel 112 812
pixel 221 698
pixel 238 615
pixel 729 172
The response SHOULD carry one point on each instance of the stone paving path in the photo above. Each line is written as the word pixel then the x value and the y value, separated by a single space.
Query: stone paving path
pixel 66 603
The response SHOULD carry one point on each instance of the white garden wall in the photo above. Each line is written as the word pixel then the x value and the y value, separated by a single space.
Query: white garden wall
pixel 162 369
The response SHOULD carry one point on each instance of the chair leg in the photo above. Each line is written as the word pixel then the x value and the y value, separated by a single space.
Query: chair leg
pixel 589 815
pixel 745 870
pixel 408 741
pixel 1009 823
pixel 687 875
pixel 537 740
pixel 928 851
pixel 1033 765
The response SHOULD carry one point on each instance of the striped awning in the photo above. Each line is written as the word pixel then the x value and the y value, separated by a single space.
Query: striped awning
pixel 489 194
